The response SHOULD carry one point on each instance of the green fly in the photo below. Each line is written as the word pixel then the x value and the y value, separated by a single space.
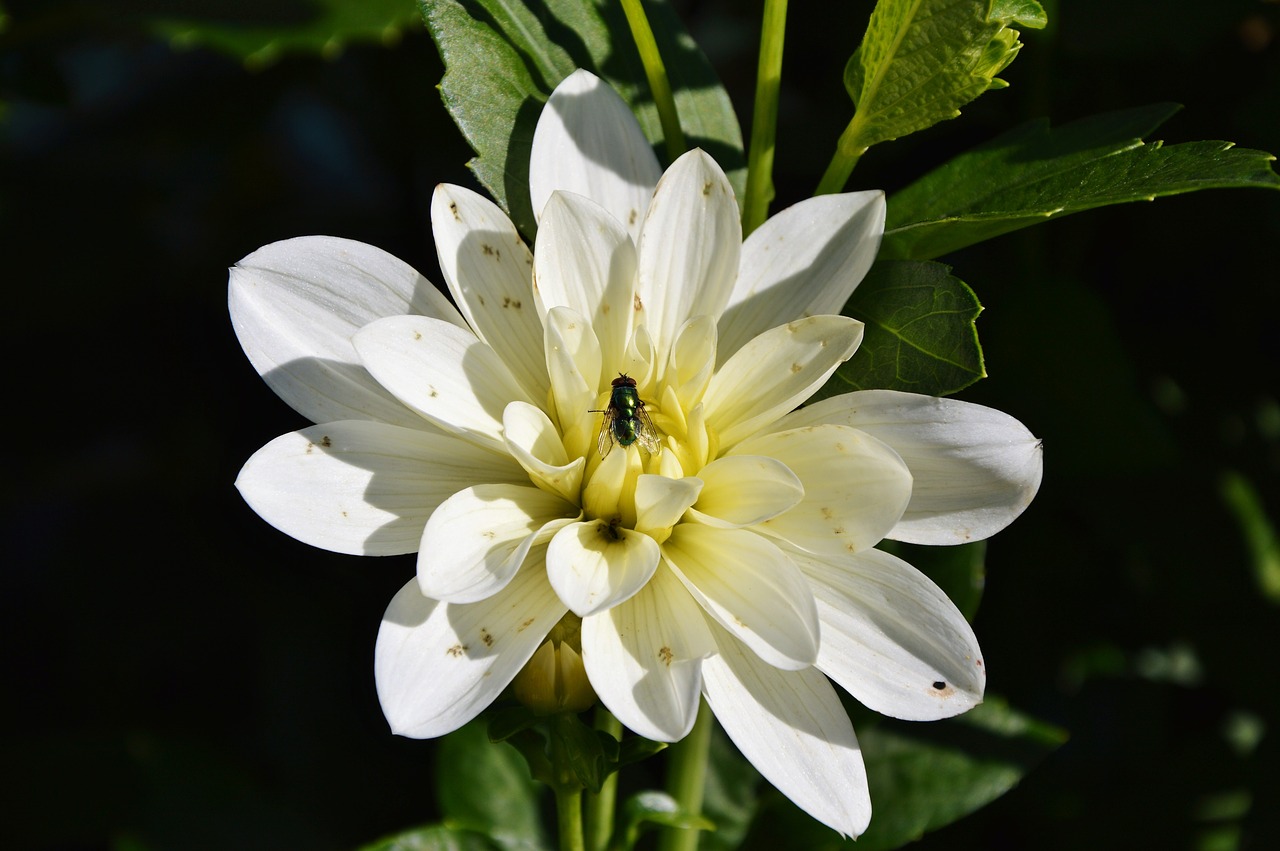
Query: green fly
pixel 625 419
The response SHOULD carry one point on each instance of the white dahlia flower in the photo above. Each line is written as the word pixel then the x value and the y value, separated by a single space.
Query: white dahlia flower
pixel 717 540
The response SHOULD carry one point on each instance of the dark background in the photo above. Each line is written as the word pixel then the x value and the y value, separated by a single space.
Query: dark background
pixel 177 674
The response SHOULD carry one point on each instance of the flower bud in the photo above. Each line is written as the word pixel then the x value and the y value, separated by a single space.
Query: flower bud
pixel 555 680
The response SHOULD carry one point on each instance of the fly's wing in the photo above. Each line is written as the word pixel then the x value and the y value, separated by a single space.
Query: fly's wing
pixel 647 434
pixel 605 440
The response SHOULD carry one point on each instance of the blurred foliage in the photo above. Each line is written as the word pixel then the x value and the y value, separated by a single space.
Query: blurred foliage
pixel 183 676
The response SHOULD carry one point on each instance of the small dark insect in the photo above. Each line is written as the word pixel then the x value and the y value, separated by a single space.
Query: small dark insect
pixel 625 419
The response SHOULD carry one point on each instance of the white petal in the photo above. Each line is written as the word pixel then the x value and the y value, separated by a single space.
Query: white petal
pixel 777 371
pixel 892 639
pixel 751 588
pixel 804 261
pixel 975 468
pixel 534 442
pixel 573 361
pixel 295 305
pixel 693 360
pixel 444 373
pixel 585 261
pixel 478 538
pixel 661 501
pixel 742 490
pixel 437 665
pixel 792 728
pixel 360 487
pixel 595 565
pixel 644 658
pixel 489 271
pixel 588 142
pixel 855 487
pixel 688 248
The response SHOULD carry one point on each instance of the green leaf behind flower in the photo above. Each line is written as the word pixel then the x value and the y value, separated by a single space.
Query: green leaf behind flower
pixel 485 788
pixel 920 335
pixel 921 60
pixel 502 61
pixel 922 777
pixel 259 32
pixel 1034 173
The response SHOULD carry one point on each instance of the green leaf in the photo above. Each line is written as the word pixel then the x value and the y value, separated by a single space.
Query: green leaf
pixel 922 777
pixel 1260 538
pixel 656 808
pixel 731 794
pixel 433 838
pixel 960 571
pixel 921 60
pixel 925 776
pixel 485 787
pixel 259 32
pixel 920 334
pixel 1034 173
pixel 502 60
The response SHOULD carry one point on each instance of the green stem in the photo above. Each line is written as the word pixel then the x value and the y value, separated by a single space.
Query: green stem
pixel 846 157
pixel 600 805
pixel 569 817
pixel 686 780
pixel 764 121
pixel 656 72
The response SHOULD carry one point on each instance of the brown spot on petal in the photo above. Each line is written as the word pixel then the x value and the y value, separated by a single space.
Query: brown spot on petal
pixel 507 301
pixel 707 187
pixel 453 208
pixel 941 689
pixel 457 650
pixel 796 367
pixel 827 513
pixel 637 304
pixel 310 446
pixel 666 656
pixel 417 335
pixel 326 442
pixel 488 249
pixel 486 637
pixel 528 623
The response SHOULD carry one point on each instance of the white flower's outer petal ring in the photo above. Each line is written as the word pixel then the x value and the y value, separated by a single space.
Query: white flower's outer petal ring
pixel 489 271
pixel 478 538
pixel 444 373
pixel 360 487
pixel 855 487
pixel 295 305
pixel 587 141
pixel 804 261
pixel 688 248
pixel 437 665
pixel 742 490
pixel 975 468
pixel 595 565
pixel 775 372
pixel 892 639
pixel 644 658
pixel 751 588
pixel 792 728
pixel 585 261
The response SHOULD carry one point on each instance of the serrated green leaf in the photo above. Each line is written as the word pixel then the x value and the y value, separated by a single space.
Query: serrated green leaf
pixel 485 787
pixel 920 335
pixel 433 838
pixel 921 60
pixel 1034 173
pixel 922 777
pixel 502 60
pixel 960 571
pixel 260 32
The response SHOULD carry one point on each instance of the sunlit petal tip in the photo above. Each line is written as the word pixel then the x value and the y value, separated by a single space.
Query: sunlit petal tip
pixel 438 665
pixel 644 657
pixel 975 469
pixel 477 540
pixel 892 638
pixel 794 730
pixel 596 565
pixel 295 305
pixel 587 141
pixel 360 487
pixel 804 261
